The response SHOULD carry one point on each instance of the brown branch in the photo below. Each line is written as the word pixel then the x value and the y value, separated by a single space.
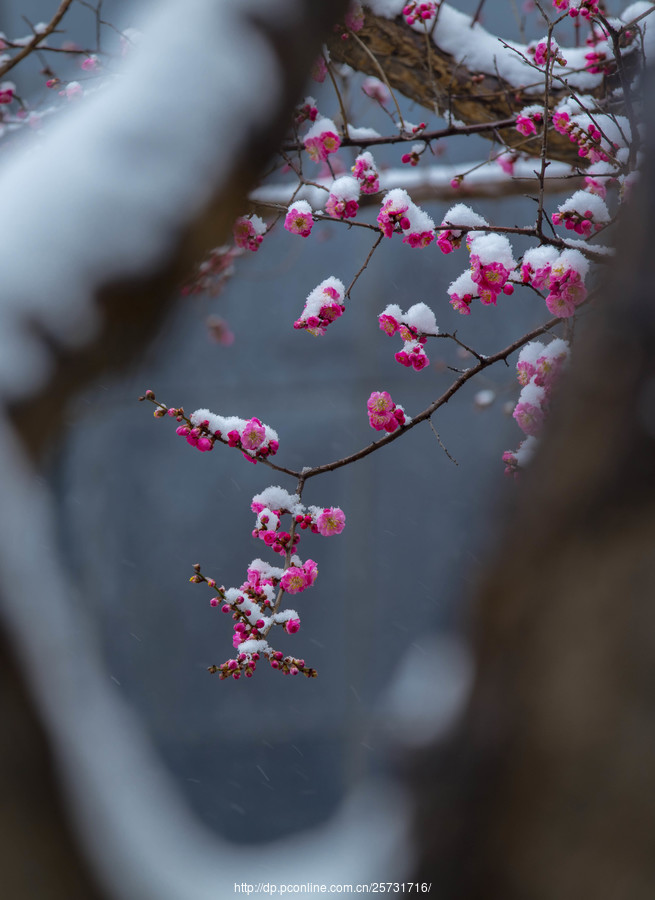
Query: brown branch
pixel 471 97
pixel 434 135
pixel 37 39
pixel 483 363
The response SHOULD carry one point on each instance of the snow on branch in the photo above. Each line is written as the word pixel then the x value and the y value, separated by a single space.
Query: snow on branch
pixel 465 73
pixel 114 204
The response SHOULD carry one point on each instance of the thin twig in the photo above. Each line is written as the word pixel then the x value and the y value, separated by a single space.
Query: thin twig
pixel 441 443
pixel 37 39
pixel 366 262
pixel 445 397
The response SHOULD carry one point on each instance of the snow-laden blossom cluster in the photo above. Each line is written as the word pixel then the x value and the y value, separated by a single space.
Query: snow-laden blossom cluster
pixel 343 200
pixel 584 212
pixel 451 238
pixel 322 139
pixel 600 138
pixel 530 119
pixel 414 327
pixel 561 274
pixel 384 414
pixel 538 369
pixel 249 232
pixel 299 218
pixel 542 52
pixel 255 606
pixel 492 263
pixel 323 305
pixel 203 429
pixel 584 8
pixel 366 173
pixel 401 215
pixel 307 110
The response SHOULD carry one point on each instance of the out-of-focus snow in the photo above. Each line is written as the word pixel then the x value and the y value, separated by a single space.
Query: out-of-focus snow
pixel 105 192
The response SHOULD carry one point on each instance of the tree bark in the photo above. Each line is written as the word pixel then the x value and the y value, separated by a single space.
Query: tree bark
pixel 418 69
pixel 548 788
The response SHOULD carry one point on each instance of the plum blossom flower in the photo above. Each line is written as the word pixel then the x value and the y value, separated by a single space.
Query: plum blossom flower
pixel 344 194
pixel 249 232
pixel 299 218
pixel 319 69
pixel 354 17
pixel 331 521
pixel 528 119
pixel 253 435
pixel 7 91
pixel 383 414
pixel 323 305
pixel 416 11
pixel 366 173
pixel 322 139
pixel 400 214
pixel 376 89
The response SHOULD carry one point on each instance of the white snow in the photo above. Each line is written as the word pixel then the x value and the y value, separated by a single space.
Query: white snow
pixel 104 194
pixel 345 188
pixel 531 352
pixel 422 318
pixel 276 497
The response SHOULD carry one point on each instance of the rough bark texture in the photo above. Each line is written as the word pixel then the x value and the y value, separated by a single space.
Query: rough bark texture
pixel 438 82
pixel 547 792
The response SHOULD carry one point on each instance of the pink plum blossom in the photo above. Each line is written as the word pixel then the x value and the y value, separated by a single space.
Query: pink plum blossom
pixel 331 521
pixel 299 219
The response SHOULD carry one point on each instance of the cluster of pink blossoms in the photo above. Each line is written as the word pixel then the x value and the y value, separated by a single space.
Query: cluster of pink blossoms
pixel 249 232
pixel 323 305
pixel 584 8
pixel 203 428
pixel 322 139
pixel 354 17
pixel 538 369
pixel 492 263
pixel 415 11
pixel 366 173
pixel 383 413
pixel 255 440
pixel 306 110
pixel 462 291
pixel 326 522
pixel 582 131
pixel 344 196
pixel 529 119
pixel 399 214
pixel 562 274
pixel 451 238
pixel 252 606
pixel 7 92
pixel 299 218
pixel 376 90
pixel 584 212
pixel 540 52
pixel 255 605
pixel 414 327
